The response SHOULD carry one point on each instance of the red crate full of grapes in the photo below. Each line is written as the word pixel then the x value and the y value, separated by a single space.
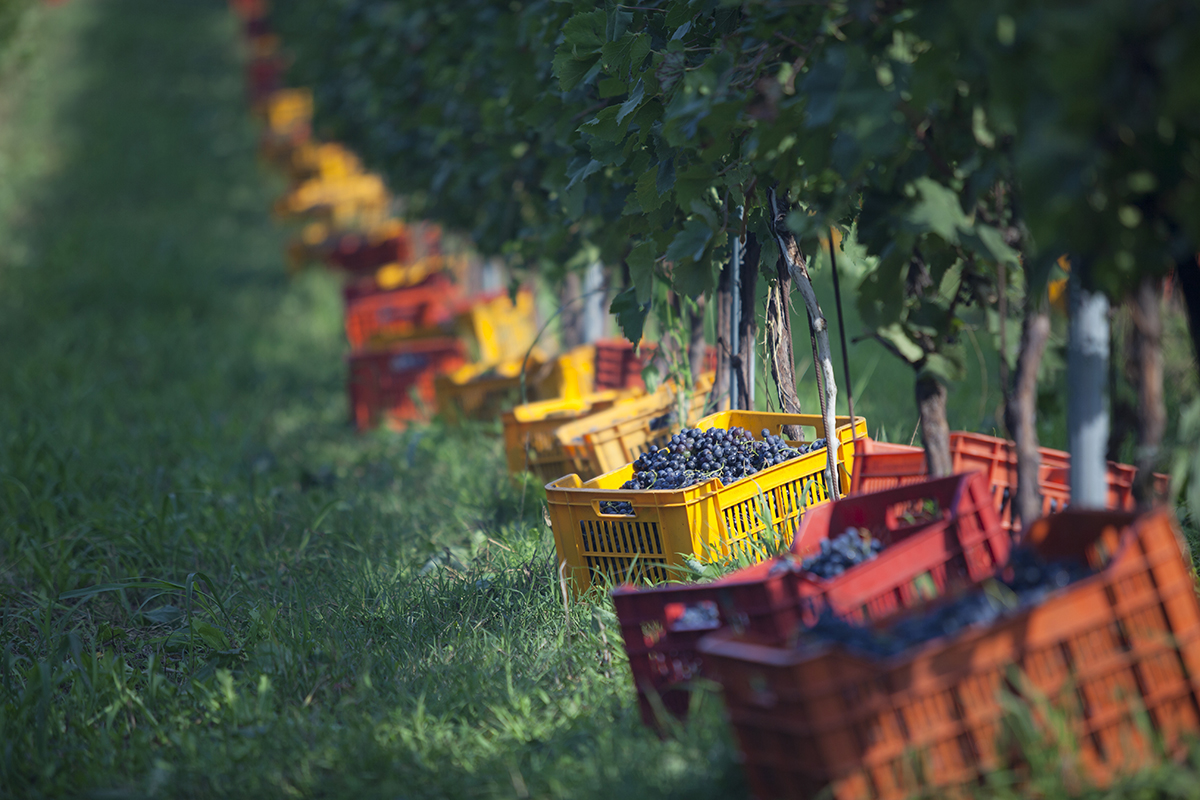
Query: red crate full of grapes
pixel 935 535
pixel 1116 654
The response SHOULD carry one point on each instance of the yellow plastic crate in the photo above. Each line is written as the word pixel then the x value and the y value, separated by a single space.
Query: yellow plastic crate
pixel 706 522
pixel 288 108
pixel 328 161
pixel 531 442
pixel 501 329
pixel 361 198
pixel 610 439
pixel 481 391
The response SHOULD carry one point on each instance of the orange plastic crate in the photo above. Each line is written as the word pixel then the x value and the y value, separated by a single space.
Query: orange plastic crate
pixel 883 466
pixel 816 716
pixel 963 543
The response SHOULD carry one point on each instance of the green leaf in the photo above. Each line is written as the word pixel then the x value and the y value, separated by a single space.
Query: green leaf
pixel 944 367
pixel 604 125
pixel 569 69
pixel 630 314
pixel 618 23
pixel 630 105
pixel 648 195
pixel 612 87
pixel 690 242
pixel 627 54
pixel 987 242
pixel 641 261
pixel 909 350
pixel 581 171
pixel 586 33
pixel 936 210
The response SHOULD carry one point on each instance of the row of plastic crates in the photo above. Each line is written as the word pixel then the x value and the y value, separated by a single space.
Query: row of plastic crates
pixel 1110 662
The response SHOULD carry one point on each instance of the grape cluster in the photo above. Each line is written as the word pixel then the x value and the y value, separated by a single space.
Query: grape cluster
pixel 693 456
pixel 665 421
pixel 838 555
pixel 1025 583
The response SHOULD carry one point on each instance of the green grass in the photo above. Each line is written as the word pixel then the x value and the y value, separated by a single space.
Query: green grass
pixel 209 584
pixel 289 609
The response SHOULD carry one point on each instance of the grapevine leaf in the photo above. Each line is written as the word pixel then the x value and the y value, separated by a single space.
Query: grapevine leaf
pixel 908 349
pixel 937 210
pixel 987 242
pixel 630 314
pixel 626 54
pixel 665 180
pixel 582 170
pixel 585 33
pixel 570 70
pixel 604 125
pixel 612 87
pixel 641 269
pixel 630 105
pixel 690 242
pixel 648 195
pixel 618 23
pixel 945 367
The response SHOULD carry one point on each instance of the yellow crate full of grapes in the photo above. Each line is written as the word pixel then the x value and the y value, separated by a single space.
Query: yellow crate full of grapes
pixel 608 534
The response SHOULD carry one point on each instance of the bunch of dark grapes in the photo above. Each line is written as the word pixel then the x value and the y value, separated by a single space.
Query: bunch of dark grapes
pixel 665 421
pixel 1025 583
pixel 694 456
pixel 838 555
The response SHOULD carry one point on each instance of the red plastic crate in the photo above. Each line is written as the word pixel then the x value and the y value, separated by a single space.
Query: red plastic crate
pixel 815 717
pixel 962 542
pixel 264 75
pixel 356 253
pixel 382 385
pixel 375 318
pixel 881 466
pixel 618 367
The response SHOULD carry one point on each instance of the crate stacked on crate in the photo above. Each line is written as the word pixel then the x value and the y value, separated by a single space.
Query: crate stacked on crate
pixel 935 535
pixel 1096 625
pixel 882 466
pixel 656 532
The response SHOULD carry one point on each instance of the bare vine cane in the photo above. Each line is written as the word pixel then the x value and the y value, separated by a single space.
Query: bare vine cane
pixel 789 250
pixel 837 299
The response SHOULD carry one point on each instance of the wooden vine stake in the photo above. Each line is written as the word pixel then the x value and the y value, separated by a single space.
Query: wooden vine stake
pixel 789 251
